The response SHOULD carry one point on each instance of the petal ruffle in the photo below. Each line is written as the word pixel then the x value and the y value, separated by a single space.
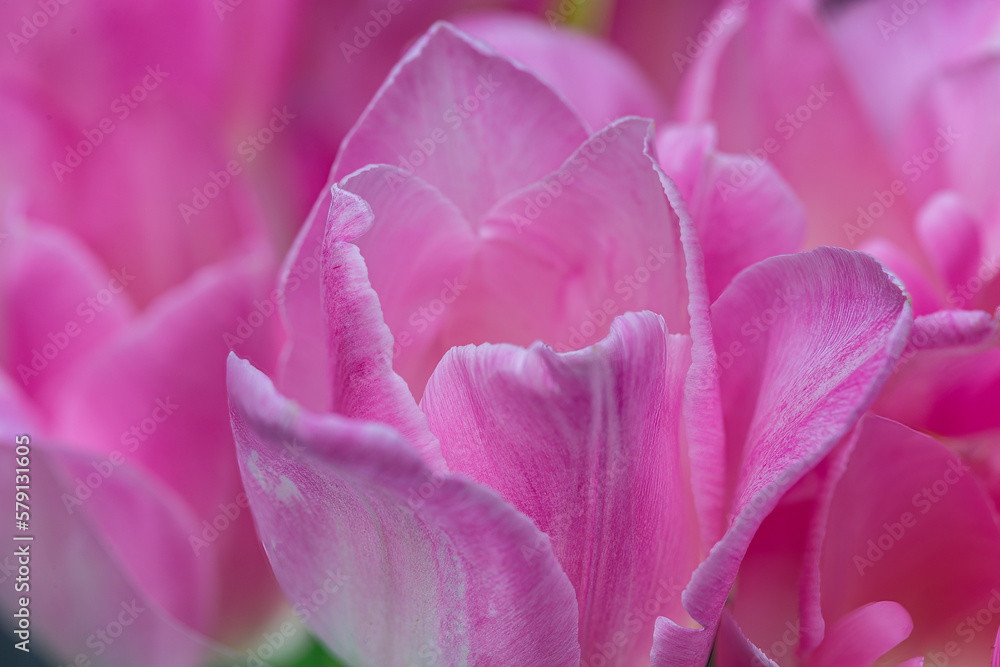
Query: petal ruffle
pixel 589 445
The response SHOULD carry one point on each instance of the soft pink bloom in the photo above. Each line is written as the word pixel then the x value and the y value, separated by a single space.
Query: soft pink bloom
pixel 894 537
pixel 876 117
pixel 480 496
pixel 117 116
pixel 843 109
pixel 117 310
pixel 131 451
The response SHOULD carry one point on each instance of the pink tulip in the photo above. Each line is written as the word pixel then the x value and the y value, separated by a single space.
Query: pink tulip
pixel 872 113
pixel 118 307
pixel 466 494
pixel 865 124
pixel 136 498
pixel 841 557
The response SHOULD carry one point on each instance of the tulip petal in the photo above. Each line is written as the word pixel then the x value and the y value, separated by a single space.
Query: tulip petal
pixel 303 372
pixel 948 379
pixel 118 564
pixel 390 559
pixel 891 49
pixel 812 336
pixel 861 637
pixel 485 126
pixel 360 345
pixel 953 123
pixel 417 251
pixel 924 295
pixel 155 396
pixel 741 219
pixel 151 216
pixel 660 36
pixel 59 306
pixel 733 649
pixel 589 252
pixel 588 444
pixel 950 236
pixel 772 83
pixel 903 506
pixel 598 80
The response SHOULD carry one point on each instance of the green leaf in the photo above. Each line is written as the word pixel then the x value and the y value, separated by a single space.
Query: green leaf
pixel 316 655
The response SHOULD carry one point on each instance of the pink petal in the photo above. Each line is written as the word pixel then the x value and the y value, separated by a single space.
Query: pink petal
pixel 659 34
pixel 588 445
pixel 303 372
pixel 861 637
pixel 118 564
pixel 484 128
pixel 152 216
pixel 769 584
pixel 183 38
pixel 890 49
pixel 389 559
pixel 593 240
pixel 417 252
pixel 733 649
pixel 925 295
pixel 902 508
pixel 950 236
pixel 360 345
pixel 792 386
pixel 952 142
pixel 948 378
pixel 741 219
pixel 751 84
pixel 59 304
pixel 155 396
pixel 600 82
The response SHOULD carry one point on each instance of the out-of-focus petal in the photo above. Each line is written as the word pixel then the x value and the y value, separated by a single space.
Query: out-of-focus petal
pixel 663 36
pixel 951 237
pixel 742 208
pixel 804 342
pixel 862 636
pixel 904 506
pixel 589 445
pixel 59 305
pixel 155 396
pixel 771 82
pixel 946 382
pixel 600 82
pixel 891 49
pixel 953 140
pixel 389 559
pixel 113 579
pixel 924 294
pixel 163 218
